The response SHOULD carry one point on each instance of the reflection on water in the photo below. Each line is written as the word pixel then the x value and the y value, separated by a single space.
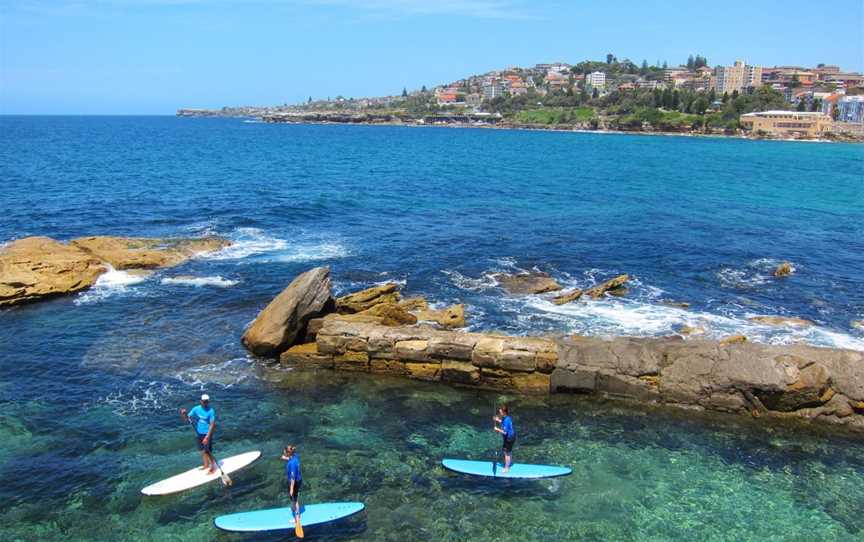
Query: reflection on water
pixel 637 474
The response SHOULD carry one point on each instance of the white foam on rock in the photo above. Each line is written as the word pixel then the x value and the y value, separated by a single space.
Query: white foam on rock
pixel 217 281
pixel 111 283
pixel 247 242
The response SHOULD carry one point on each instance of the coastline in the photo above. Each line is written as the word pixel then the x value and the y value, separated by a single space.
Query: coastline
pixel 537 128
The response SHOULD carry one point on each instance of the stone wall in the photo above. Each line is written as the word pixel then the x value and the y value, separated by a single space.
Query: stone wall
pixel 825 385
pixel 524 364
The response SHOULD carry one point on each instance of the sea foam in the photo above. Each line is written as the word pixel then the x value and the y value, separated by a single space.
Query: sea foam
pixel 217 281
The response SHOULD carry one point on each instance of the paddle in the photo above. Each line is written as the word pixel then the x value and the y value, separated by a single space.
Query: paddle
pixel 224 478
pixel 495 448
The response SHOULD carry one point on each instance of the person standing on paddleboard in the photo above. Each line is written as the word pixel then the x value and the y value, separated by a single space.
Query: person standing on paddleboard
pixel 294 479
pixel 505 427
pixel 203 418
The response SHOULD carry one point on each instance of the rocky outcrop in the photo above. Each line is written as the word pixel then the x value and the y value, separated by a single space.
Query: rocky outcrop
pixel 527 283
pixel 613 286
pixel 390 314
pixel 780 381
pixel 368 298
pixel 283 322
pixel 39 267
pixel 141 253
pixel 781 321
pixel 784 270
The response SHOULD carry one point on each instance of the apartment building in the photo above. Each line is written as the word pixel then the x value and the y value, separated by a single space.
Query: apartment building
pixel 596 80
pixel 738 77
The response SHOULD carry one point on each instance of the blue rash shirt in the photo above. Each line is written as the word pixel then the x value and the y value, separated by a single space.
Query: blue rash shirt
pixel 202 418
pixel 507 427
pixel 292 469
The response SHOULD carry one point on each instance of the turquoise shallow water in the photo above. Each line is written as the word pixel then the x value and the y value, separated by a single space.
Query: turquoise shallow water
pixel 90 384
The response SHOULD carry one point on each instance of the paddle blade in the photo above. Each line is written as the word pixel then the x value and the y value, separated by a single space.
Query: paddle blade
pixel 226 480
pixel 298 529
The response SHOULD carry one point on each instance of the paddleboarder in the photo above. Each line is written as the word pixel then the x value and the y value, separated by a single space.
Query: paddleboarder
pixel 295 483
pixel 203 418
pixel 504 425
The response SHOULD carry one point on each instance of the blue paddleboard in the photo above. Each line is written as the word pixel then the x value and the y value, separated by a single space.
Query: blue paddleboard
pixel 283 518
pixel 521 471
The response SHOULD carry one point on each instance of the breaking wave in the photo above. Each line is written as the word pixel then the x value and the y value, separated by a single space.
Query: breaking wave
pixel 217 281
pixel 112 283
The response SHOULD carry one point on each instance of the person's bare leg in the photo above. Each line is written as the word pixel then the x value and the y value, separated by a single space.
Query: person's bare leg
pixel 206 459
pixel 508 459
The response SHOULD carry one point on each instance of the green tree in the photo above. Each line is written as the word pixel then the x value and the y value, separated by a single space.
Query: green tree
pixel 667 98
pixel 665 65
pixel 690 62
pixel 404 92
pixel 609 58
pixel 676 98
pixel 644 65
pixel 795 82
pixel 699 105
pixel 595 93
pixel 816 105
pixel 802 105
pixel 712 96
pixel 423 89
pixel 310 100
pixel 835 112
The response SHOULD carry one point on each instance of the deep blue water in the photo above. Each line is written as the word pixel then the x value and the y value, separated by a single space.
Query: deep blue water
pixel 89 383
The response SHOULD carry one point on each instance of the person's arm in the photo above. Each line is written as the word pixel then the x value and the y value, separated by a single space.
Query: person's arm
pixel 210 430
pixel 499 430
pixel 184 415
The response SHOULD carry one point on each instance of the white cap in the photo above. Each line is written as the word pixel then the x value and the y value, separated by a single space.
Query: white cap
pixel 205 397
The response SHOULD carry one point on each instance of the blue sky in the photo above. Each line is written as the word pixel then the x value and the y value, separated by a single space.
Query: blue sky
pixel 153 56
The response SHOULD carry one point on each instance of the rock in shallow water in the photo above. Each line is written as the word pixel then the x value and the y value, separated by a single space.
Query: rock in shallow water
pixel 784 270
pixel 38 267
pixel 142 253
pixel 283 321
pixel 527 283
pixel 608 287
pixel 781 321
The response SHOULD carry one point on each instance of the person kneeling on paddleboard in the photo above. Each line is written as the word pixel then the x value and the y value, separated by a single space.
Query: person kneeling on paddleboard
pixel 203 418
pixel 295 482
pixel 505 427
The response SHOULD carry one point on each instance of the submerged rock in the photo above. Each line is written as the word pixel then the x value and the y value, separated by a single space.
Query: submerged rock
pixel 567 297
pixel 607 287
pixel 858 324
pixel 784 270
pixel 527 283
pixel 143 253
pixel 37 267
pixel 368 298
pixel 781 321
pixel 284 320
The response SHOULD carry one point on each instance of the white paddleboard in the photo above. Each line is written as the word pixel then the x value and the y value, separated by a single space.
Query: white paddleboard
pixel 198 476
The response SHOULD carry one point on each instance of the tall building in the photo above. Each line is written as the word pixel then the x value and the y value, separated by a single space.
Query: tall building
pixel 492 88
pixel 596 80
pixel 737 77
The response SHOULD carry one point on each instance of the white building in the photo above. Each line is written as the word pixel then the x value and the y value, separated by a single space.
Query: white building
pixel 851 109
pixel 596 80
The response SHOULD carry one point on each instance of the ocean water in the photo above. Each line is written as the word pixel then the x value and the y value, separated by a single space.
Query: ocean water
pixel 90 383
